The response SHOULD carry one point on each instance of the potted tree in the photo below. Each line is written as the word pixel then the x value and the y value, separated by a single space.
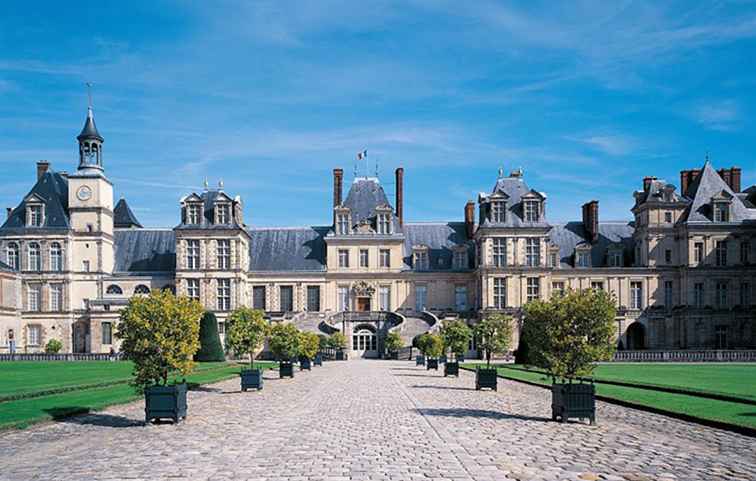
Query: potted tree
pixel 566 336
pixel 53 346
pixel 246 334
pixel 284 343
pixel 308 348
pixel 494 336
pixel 159 333
pixel 322 345
pixel 338 342
pixel 434 347
pixel 393 344
pixel 421 343
pixel 456 336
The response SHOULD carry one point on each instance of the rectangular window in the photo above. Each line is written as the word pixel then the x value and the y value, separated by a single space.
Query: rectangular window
pixel 342 224
pixel 193 214
pixel 460 259
pixel 223 216
pixel 698 252
pixel 745 252
pixel 384 223
pixel 221 328
pixel 364 258
pixel 499 253
pixel 421 260
pixel 35 335
pixel 56 297
pixel 721 253
pixel 497 212
pixel 385 257
pixel 384 298
pixel 224 294
pixel 460 298
pixel 534 288
pixel 553 259
pixel 287 298
pixel 86 266
pixel 258 298
pixel 597 285
pixel 721 212
pixel 343 258
pixel 193 254
pixel 745 294
pixel 107 333
pixel 500 292
pixel 668 294
pixel 193 289
pixel 34 298
pixel 421 298
pixel 698 294
pixel 583 259
pixel 668 217
pixel 636 295
pixel 313 298
pixel 224 254
pixel 35 215
pixel 343 293
pixel 532 211
pixel 557 287
pixel 721 292
pixel 615 259
pixel 720 337
pixel 668 256
pixel 533 252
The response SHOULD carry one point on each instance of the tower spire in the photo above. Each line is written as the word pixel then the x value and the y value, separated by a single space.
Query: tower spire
pixel 90 140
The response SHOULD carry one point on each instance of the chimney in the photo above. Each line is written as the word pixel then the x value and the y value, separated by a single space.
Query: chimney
pixel 591 220
pixel 400 196
pixel 725 175
pixel 8 211
pixel 684 181
pixel 338 177
pixel 470 219
pixel 647 183
pixel 42 167
pixel 735 178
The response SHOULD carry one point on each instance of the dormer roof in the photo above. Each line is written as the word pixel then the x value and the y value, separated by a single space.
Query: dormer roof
pixel 51 190
pixel 365 197
pixel 123 217
pixel 707 186
pixel 514 190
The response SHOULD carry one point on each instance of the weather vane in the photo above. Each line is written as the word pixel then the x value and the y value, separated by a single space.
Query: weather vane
pixel 89 93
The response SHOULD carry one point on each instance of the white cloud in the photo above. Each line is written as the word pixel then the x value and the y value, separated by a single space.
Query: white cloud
pixel 722 115
pixel 612 144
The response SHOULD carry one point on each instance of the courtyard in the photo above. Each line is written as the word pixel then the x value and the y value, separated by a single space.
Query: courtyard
pixel 373 420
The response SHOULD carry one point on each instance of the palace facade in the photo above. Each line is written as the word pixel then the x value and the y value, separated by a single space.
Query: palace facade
pixel 682 272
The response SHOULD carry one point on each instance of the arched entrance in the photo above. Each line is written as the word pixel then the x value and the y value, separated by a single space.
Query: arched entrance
pixel 80 336
pixel 636 336
pixel 364 341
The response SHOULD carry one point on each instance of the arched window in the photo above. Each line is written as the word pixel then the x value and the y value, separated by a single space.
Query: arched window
pixel 56 257
pixel 12 255
pixel 141 289
pixel 113 289
pixel 35 261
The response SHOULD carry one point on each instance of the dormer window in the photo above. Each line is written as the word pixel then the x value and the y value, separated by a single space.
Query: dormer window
pixel 222 214
pixel 34 215
pixel 384 222
pixel 532 210
pixel 343 223
pixel 421 259
pixel 194 214
pixel 461 258
pixel 498 212
pixel 583 256
pixel 721 212
pixel 615 258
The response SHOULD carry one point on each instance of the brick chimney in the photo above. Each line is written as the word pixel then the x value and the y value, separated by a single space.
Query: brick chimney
pixel 731 177
pixel 687 178
pixel 647 183
pixel 42 167
pixel 470 219
pixel 338 180
pixel 591 220
pixel 400 195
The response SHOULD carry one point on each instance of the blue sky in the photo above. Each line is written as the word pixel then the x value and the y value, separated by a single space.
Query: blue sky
pixel 586 97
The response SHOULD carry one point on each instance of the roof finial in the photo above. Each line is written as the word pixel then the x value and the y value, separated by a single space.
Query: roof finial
pixel 220 184
pixel 501 172
pixel 707 156
pixel 89 94
pixel 205 183
pixel 376 168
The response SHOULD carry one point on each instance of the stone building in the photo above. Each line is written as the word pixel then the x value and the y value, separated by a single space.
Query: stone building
pixel 682 272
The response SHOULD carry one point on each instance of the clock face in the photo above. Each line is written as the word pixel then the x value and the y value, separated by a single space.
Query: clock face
pixel 84 193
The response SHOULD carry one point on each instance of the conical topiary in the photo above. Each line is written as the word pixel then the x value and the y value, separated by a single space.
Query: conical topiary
pixel 211 348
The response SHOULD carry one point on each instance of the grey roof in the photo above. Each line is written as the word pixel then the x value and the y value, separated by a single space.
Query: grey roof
pixel 123 217
pixel 514 187
pixel 5 267
pixel 208 199
pixel 89 131
pixel 441 238
pixel 707 185
pixel 287 249
pixel 570 235
pixel 52 189
pixel 365 195
pixel 656 192
pixel 145 250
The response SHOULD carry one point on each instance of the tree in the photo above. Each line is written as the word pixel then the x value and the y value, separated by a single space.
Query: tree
pixel 159 334
pixel 284 341
pixel 456 336
pixel 430 345
pixel 309 344
pixel 570 332
pixel 323 341
pixel 246 332
pixel 337 340
pixel 494 335
pixel 53 346
pixel 211 348
pixel 393 342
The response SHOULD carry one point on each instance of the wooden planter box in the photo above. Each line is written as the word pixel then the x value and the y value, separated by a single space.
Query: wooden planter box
pixel 341 355
pixel 251 379
pixel 165 402
pixel 318 361
pixel 419 360
pixel 460 357
pixel 285 369
pixel 486 378
pixel 393 355
pixel 432 364
pixel 573 400
pixel 451 368
pixel 304 363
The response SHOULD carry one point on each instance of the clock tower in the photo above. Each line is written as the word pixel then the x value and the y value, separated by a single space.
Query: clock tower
pixel 90 206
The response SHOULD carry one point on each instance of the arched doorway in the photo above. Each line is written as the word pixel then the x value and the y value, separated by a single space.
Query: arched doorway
pixel 636 336
pixel 364 341
pixel 80 336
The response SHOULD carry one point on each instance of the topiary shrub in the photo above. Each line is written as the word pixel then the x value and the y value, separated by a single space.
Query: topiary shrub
pixel 337 341
pixel 309 343
pixel 456 336
pixel 246 332
pixel 211 349
pixel 522 354
pixel 53 346
pixel 393 342
pixel 284 341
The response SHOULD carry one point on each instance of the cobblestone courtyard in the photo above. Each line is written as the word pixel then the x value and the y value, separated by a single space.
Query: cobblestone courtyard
pixel 374 420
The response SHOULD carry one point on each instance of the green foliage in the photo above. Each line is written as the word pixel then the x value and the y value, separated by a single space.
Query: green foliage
pixel 430 345
pixel 211 349
pixel 322 341
pixel 284 341
pixel 522 354
pixel 456 335
pixel 494 335
pixel 393 342
pixel 309 343
pixel 570 332
pixel 53 346
pixel 160 334
pixel 337 341
pixel 246 332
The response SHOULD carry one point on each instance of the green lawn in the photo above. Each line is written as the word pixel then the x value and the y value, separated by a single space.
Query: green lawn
pixel 23 412
pixel 738 414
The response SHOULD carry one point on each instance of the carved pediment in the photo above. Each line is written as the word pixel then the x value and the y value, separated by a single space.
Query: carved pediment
pixel 363 289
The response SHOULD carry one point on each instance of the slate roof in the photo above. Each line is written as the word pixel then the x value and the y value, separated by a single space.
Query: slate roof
pixel 365 194
pixel 441 238
pixel 145 250
pixel 288 249
pixel 707 185
pixel 208 198
pixel 514 187
pixel 656 192
pixel 89 131
pixel 123 217
pixel 52 189
pixel 568 236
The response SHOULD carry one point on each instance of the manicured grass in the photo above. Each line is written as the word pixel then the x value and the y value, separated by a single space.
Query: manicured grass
pixel 732 413
pixel 24 412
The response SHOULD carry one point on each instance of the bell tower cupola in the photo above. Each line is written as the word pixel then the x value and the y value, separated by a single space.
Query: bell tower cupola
pixel 90 144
